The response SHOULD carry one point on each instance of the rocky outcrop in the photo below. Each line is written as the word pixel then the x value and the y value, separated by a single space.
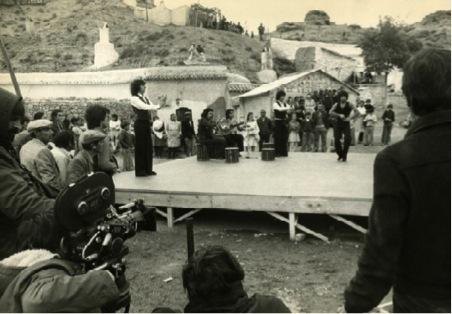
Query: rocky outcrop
pixel 317 17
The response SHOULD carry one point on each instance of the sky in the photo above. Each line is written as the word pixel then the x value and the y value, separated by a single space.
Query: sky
pixel 363 12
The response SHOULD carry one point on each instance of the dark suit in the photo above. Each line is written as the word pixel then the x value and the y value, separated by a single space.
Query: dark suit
pixel 408 243
pixel 79 166
pixel 265 130
pixel 188 136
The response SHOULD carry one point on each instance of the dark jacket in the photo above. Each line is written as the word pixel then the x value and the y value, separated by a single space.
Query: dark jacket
pixel 322 116
pixel 307 126
pixel 125 139
pixel 80 166
pixel 52 285
pixel 25 202
pixel 408 242
pixel 388 114
pixel 265 125
pixel 187 129
pixel 205 129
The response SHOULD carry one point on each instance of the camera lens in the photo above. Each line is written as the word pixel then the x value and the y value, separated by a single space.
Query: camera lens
pixel 105 194
pixel 82 208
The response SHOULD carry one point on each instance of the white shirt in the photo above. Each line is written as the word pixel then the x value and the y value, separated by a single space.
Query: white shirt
pixel 115 126
pixel 140 105
pixel 277 106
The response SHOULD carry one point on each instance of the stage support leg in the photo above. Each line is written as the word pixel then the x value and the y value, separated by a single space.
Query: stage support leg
pixel 170 217
pixel 300 227
pixel 292 226
pixel 189 214
pixel 349 223
pixel 161 213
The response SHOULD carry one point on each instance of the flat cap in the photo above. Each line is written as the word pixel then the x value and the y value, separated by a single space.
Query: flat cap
pixel 38 124
pixel 91 136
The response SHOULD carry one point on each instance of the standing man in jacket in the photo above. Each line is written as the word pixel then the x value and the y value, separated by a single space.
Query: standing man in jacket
pixel 188 134
pixel 25 202
pixel 408 242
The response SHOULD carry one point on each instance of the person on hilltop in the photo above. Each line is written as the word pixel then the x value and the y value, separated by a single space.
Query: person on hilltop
pixel 407 245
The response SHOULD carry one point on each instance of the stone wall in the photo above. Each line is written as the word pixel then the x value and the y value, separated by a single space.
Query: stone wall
pixel 77 106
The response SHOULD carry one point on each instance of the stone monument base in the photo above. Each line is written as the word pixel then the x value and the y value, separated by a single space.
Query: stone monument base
pixel 266 76
pixel 104 55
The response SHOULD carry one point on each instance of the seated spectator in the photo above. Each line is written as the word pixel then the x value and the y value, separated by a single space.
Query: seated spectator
pixel 25 202
pixel 36 156
pixel 38 115
pixel 23 137
pixel 63 144
pixel 213 279
pixel 126 145
pixel 83 162
pixel 215 144
pixel 97 118
pixel 57 117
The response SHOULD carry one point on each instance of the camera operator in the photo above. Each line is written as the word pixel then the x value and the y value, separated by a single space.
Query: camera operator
pixel 25 202
pixel 39 280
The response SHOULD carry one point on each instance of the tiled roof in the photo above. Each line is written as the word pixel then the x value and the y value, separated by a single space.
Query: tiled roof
pixel 241 87
pixel 120 76
pixel 289 79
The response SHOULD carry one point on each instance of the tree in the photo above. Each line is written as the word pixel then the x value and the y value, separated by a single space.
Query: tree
pixel 387 46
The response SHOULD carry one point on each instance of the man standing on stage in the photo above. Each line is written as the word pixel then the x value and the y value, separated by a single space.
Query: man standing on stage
pixel 343 112
pixel 265 129
pixel 408 242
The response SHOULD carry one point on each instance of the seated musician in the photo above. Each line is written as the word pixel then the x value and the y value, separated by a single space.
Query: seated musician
pixel 229 128
pixel 215 144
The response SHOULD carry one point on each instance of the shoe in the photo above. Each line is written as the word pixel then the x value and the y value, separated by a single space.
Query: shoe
pixel 344 159
pixel 153 173
pixel 339 158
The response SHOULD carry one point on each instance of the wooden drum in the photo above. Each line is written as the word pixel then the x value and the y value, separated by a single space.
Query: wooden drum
pixel 268 154
pixel 232 155
pixel 202 153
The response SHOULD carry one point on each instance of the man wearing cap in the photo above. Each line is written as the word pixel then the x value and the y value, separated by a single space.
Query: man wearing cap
pixel 82 164
pixel 25 202
pixel 37 157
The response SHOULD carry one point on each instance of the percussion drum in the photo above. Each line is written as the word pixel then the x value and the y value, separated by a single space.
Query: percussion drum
pixel 268 145
pixel 202 154
pixel 232 155
pixel 268 154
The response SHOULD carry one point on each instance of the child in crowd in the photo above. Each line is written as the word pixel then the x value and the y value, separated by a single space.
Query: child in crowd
pixel 173 131
pixel 369 122
pixel 251 134
pixel 77 130
pixel 115 127
pixel 126 146
pixel 294 133
pixel 307 126
pixel 158 136
pixel 388 120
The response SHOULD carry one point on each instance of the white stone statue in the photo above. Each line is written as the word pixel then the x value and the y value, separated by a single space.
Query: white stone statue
pixel 104 51
pixel 104 36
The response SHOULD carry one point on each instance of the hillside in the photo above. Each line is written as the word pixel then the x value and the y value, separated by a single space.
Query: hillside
pixel 432 31
pixel 65 32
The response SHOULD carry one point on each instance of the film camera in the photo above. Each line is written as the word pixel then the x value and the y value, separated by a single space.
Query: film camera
pixel 95 230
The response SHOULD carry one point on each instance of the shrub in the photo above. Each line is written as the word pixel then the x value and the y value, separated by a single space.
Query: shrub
pixel 249 49
pixel 81 39
pixel 183 49
pixel 162 52
pixel 256 56
pixel 67 56
pixel 227 44
pixel 283 66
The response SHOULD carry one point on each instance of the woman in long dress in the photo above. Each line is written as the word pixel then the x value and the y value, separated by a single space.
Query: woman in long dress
pixel 281 131
pixel 142 126
pixel 173 131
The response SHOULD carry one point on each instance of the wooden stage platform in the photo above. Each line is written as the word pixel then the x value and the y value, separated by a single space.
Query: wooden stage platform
pixel 302 183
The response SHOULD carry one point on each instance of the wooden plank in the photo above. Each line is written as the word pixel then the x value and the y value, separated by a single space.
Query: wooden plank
pixel 158 211
pixel 189 214
pixel 170 217
pixel 305 205
pixel 302 228
pixel 292 226
pixel 349 223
